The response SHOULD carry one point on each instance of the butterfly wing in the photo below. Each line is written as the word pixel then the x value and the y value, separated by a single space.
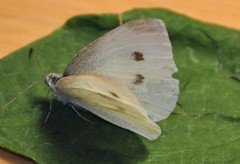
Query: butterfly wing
pixel 139 54
pixel 108 99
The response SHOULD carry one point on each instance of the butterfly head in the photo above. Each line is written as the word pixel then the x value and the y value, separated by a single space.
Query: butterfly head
pixel 51 79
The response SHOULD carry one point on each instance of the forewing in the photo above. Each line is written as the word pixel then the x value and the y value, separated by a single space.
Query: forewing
pixel 138 53
pixel 110 100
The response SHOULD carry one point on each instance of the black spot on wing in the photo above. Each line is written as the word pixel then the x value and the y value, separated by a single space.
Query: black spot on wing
pixel 114 94
pixel 138 56
pixel 138 79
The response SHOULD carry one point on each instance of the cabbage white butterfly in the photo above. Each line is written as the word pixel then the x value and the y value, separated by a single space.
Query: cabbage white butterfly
pixel 124 77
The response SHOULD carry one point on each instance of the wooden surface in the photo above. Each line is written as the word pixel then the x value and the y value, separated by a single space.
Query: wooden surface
pixel 24 21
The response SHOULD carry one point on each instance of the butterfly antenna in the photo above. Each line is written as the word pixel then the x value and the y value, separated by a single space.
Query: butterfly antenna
pixel 80 114
pixel 48 91
pixel 49 112
pixel 19 94
pixel 38 57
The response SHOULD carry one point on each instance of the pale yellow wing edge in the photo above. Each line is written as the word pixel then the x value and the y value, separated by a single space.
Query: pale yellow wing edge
pixel 115 110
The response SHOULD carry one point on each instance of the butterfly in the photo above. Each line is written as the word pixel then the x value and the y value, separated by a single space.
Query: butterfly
pixel 123 77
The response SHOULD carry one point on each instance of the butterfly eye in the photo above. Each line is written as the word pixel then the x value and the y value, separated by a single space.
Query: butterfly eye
pixel 51 79
pixel 54 79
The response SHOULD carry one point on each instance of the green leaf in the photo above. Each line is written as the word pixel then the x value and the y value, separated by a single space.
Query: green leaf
pixel 204 128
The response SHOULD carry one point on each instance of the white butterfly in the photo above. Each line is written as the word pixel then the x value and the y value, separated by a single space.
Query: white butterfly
pixel 124 77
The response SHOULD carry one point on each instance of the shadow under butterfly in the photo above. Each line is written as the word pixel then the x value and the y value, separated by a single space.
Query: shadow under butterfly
pixel 76 140
pixel 123 77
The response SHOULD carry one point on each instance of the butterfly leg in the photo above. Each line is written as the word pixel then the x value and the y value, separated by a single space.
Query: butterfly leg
pixel 49 112
pixel 79 114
